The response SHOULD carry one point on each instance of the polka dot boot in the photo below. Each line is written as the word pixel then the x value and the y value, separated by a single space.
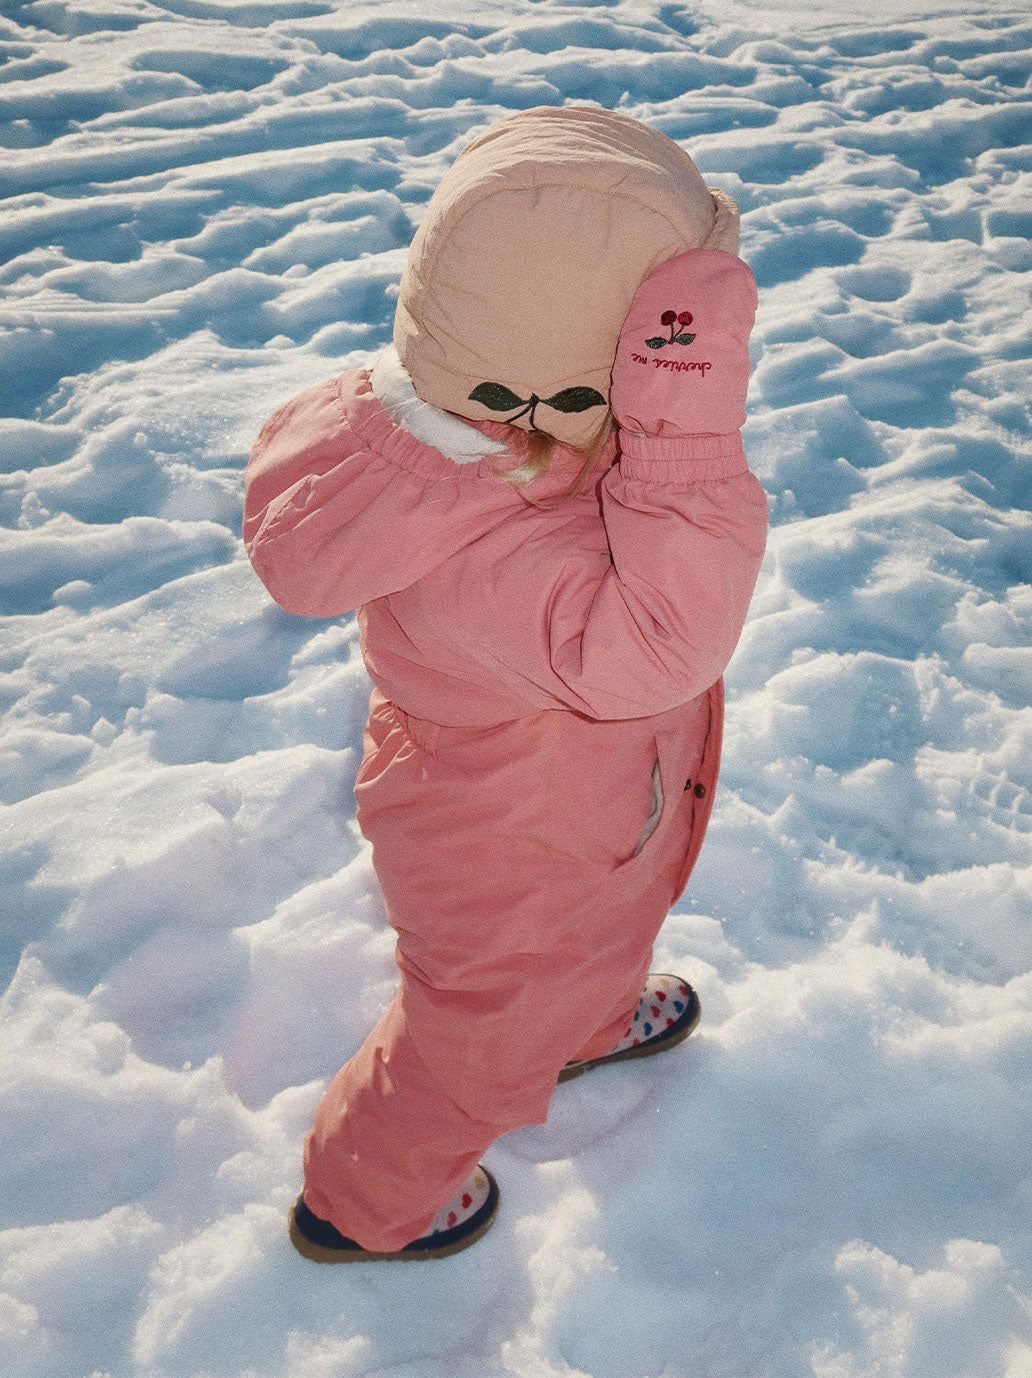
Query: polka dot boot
pixel 668 1010
pixel 457 1225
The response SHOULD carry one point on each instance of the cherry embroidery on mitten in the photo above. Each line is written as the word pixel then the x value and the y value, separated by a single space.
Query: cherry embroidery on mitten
pixel 673 319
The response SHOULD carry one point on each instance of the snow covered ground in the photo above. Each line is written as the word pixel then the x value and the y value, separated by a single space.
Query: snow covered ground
pixel 206 206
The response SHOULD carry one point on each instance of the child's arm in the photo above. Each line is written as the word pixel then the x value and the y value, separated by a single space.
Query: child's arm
pixel 685 519
pixel 331 522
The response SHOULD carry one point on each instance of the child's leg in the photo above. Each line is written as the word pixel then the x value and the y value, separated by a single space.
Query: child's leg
pixel 521 948
pixel 455 1064
pixel 388 1146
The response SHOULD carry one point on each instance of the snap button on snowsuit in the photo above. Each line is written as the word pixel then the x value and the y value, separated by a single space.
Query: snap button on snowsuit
pixel 700 791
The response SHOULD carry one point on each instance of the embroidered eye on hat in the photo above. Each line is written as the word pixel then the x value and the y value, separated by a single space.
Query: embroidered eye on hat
pixel 529 252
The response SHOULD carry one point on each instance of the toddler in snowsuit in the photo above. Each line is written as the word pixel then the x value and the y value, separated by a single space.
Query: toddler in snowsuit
pixel 547 603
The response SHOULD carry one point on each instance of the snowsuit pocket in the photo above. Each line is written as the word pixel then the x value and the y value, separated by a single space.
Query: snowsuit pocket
pixel 656 811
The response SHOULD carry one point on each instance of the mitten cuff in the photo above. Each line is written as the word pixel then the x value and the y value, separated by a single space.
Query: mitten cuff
pixel 681 458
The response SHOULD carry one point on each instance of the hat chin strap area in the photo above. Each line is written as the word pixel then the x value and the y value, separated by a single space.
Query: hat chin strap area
pixel 393 387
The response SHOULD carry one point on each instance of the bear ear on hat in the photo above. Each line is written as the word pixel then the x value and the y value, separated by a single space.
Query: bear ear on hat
pixel 724 230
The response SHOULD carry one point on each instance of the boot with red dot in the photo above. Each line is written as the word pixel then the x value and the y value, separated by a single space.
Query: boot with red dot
pixel 668 1010
pixel 458 1224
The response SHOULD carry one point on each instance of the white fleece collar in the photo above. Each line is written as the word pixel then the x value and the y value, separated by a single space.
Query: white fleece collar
pixel 394 389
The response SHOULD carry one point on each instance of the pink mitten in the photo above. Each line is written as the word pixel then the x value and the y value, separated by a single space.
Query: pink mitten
pixel 682 361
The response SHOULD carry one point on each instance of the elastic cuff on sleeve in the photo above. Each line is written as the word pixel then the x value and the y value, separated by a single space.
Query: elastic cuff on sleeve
pixel 681 459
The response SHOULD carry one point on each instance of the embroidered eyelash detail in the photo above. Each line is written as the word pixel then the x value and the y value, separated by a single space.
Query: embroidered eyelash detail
pixel 498 397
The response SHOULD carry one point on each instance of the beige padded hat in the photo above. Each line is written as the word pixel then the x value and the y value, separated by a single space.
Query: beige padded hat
pixel 528 254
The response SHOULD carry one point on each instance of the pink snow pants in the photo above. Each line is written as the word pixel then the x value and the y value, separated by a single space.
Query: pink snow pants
pixel 525 925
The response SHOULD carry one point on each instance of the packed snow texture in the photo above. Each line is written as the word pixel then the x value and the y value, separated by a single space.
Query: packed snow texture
pixel 206 207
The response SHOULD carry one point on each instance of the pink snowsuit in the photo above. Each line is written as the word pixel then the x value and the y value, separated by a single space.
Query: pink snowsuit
pixel 531 668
